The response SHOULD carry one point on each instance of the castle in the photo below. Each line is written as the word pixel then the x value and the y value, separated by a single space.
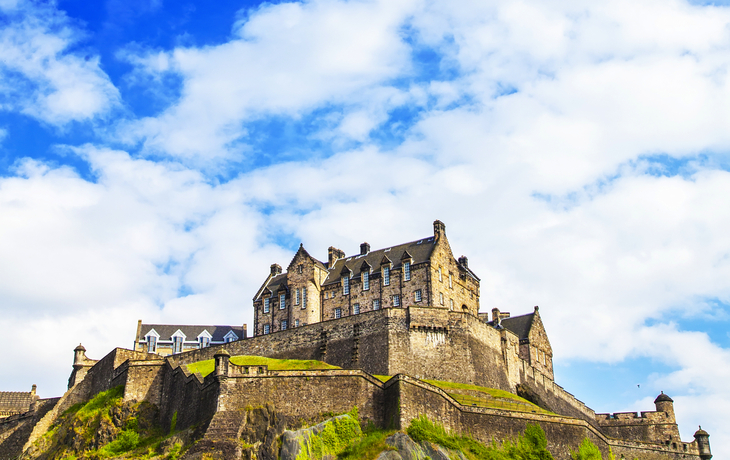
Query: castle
pixel 409 311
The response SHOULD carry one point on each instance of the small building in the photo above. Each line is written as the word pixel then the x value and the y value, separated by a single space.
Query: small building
pixel 422 273
pixel 170 339
pixel 17 402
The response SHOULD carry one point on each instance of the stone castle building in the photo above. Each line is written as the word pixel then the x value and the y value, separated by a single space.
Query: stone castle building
pixel 409 311
pixel 421 273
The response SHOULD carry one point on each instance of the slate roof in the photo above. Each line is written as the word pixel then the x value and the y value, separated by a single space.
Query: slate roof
pixel 419 250
pixel 275 282
pixel 191 331
pixel 520 325
pixel 15 401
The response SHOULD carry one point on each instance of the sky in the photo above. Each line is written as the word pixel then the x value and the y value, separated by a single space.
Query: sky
pixel 157 157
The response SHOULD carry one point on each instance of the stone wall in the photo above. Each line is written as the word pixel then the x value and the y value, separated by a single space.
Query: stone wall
pixel 15 430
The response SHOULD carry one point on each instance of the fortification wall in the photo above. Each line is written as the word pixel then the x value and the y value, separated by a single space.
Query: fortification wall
pixel 306 395
pixel 186 397
pixel 650 426
pixel 484 424
pixel 15 430
pixel 536 386
pixel 338 342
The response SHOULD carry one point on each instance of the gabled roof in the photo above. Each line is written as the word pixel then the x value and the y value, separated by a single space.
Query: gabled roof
pixel 15 401
pixel 305 254
pixel 520 325
pixel 419 251
pixel 191 331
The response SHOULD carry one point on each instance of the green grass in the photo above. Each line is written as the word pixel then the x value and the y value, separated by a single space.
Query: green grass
pixel 493 398
pixel 383 378
pixel 208 366
pixel 369 446
pixel 531 445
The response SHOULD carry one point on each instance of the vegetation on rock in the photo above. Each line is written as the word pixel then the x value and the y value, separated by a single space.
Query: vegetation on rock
pixel 105 427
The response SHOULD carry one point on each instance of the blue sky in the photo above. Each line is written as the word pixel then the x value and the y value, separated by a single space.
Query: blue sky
pixel 156 157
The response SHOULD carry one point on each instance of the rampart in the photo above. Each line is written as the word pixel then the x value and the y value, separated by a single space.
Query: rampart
pixel 218 404
pixel 426 343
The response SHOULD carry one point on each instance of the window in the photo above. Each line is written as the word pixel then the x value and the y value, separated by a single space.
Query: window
pixel 407 271
pixel 441 298
pixel 304 298
pixel 296 323
pixel 451 304
pixel 152 344
pixel 418 295
pixel 282 301
pixel 376 304
pixel 204 342
pixel 396 300
pixel 356 309
pixel 365 281
pixel 300 269
pixel 338 313
pixel 177 345
pixel 296 298
pixel 440 277
pixel 386 276
pixel 284 324
pixel 451 281
pixel 345 285
pixel 267 328
pixel 267 304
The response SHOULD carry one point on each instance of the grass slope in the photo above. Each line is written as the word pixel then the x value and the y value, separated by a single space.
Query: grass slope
pixel 208 366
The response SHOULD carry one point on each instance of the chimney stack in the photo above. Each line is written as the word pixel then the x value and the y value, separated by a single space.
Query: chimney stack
pixel 245 331
pixel 439 228
pixel 333 254
pixel 275 269
pixel 364 248
pixel 464 262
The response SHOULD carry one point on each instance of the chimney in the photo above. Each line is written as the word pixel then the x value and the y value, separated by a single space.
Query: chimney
pixel 464 262
pixel 439 228
pixel 495 316
pixel 32 390
pixel 245 330
pixel 364 248
pixel 333 254
pixel 275 269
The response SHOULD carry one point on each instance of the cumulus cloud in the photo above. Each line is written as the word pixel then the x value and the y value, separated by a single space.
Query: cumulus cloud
pixel 41 76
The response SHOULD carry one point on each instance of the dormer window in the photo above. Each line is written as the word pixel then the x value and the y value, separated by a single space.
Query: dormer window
pixel 177 344
pixel 407 271
pixel 204 342
pixel 365 281
pixel 282 301
pixel 345 285
pixel 230 337
pixel 267 304
pixel 386 276
pixel 152 344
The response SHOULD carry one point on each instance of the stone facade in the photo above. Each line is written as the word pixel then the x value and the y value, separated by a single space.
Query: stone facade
pixel 223 403
pixel 422 273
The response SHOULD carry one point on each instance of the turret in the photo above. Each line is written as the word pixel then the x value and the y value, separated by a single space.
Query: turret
pixel 703 443
pixel 222 358
pixel 79 355
pixel 664 403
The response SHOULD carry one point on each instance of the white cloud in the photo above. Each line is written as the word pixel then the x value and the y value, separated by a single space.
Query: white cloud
pixel 40 76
